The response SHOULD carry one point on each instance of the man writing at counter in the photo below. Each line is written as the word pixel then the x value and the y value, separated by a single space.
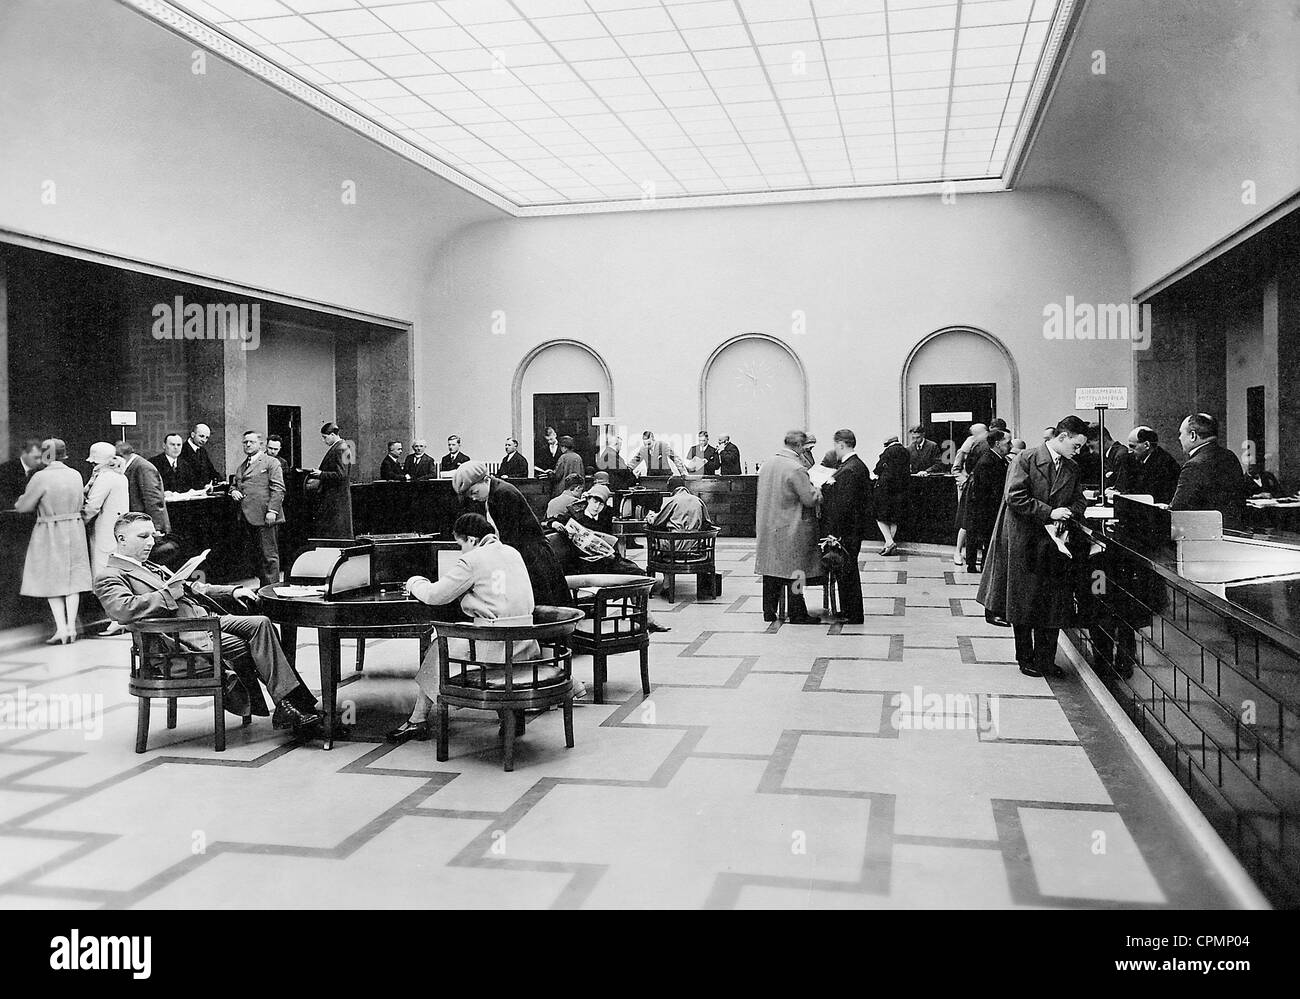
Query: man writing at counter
pixel 1211 478
pixel 390 469
pixel 418 464
pixel 514 465
pixel 198 471
pixel 924 456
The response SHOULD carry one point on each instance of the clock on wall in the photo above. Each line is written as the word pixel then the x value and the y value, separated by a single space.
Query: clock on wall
pixel 755 375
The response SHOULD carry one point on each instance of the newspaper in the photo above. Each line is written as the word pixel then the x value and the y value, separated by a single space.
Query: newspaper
pixel 187 570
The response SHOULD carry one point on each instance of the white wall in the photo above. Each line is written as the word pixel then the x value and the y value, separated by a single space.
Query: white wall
pixel 656 293
pixel 291 369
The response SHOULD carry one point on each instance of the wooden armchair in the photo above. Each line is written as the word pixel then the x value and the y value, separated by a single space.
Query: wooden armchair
pixel 616 608
pixel 685 552
pixel 162 666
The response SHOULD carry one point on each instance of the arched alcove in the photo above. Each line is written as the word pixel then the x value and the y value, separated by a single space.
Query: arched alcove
pixel 560 365
pixel 956 355
pixel 753 387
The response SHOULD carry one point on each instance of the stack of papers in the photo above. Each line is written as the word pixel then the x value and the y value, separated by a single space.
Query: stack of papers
pixel 299 591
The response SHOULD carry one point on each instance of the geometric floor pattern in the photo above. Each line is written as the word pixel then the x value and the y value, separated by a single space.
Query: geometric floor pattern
pixel 902 763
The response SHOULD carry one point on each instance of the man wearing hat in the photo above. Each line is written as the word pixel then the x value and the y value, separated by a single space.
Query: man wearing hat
pixel 681 511
pixel 107 498
pixel 568 463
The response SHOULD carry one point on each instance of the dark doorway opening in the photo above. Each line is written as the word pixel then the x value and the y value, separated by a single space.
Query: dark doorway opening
pixel 287 422
pixel 1256 424
pixel 570 414
pixel 978 399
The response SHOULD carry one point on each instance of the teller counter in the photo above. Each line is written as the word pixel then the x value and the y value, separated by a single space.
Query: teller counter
pixel 1200 646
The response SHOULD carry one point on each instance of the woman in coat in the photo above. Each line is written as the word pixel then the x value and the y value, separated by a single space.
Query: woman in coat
pixel 984 491
pixel 491 584
pixel 786 528
pixel 331 484
pixel 516 525
pixel 58 561
pixel 893 480
pixel 107 498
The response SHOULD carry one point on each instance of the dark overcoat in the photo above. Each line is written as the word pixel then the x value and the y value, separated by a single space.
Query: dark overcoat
pixel 1026 579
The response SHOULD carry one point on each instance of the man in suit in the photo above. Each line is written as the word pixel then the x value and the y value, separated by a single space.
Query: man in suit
pixel 145 491
pixel 514 465
pixel 984 491
pixel 274 445
pixel 657 458
pixel 259 491
pixel 390 469
pixel 1026 579
pixel 704 455
pixel 614 465
pixel 333 485
pixel 15 472
pixel 418 464
pixel 846 514
pixel 1211 478
pixel 785 526
pixel 199 472
pixel 548 453
pixel 132 588
pixel 923 456
pixel 454 457
pixel 569 463
pixel 728 457
pixel 1100 443
pixel 1261 483
pixel 169 466
pixel 1146 468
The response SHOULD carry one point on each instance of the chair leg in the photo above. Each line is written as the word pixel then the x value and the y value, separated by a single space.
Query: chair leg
pixel 219 722
pixel 248 720
pixel 598 670
pixel 142 725
pixel 672 586
pixel 717 584
pixel 171 712
pixel 440 722
pixel 645 670
pixel 361 654
pixel 568 722
pixel 508 737
pixel 780 604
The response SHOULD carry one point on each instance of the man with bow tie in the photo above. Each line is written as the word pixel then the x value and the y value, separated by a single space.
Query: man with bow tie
pixel 132 588
pixel 259 491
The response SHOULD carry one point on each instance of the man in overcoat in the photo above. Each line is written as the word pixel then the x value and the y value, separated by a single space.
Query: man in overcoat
pixel 1026 579
pixel 786 524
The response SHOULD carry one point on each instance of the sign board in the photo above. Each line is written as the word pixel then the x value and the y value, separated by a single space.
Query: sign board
pixel 121 418
pixel 603 421
pixel 950 417
pixel 1113 397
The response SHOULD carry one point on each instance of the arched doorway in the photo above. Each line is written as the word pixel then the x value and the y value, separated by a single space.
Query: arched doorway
pixel 959 362
pixel 558 372
pixel 754 388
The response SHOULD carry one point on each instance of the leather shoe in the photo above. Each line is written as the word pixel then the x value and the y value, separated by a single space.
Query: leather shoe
pixel 1030 671
pixel 810 619
pixel 1052 670
pixel 654 626
pixel 853 620
pixel 409 730
pixel 287 716
pixel 998 622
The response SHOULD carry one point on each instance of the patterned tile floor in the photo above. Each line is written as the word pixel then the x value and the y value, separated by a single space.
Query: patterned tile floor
pixel 904 762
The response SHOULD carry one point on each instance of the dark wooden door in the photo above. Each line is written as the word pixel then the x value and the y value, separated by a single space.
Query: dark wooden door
pixel 570 414
pixel 978 399
pixel 287 422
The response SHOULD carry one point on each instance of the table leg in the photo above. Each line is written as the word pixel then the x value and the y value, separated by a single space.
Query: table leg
pixel 329 680
pixel 289 642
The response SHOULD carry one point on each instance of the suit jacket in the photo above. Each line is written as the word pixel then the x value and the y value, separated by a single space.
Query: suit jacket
pixel 1212 479
pixel 514 466
pixel 1267 484
pixel 658 458
pixel 198 468
pixel 1155 476
pixel 729 459
pixel 925 458
pixel 175 480
pixel 984 492
pixel 450 463
pixel 334 498
pixel 145 491
pixel 261 481
pixel 420 466
pixel 682 511
pixel 1026 580
pixel 13 480
pixel 391 469
pixel 846 503
pixel 569 463
pixel 544 458
pixel 131 593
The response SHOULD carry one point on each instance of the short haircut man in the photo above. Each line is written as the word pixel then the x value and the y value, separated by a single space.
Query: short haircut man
pixel 1071 426
pixel 796 440
pixel 847 436
pixel 1204 424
